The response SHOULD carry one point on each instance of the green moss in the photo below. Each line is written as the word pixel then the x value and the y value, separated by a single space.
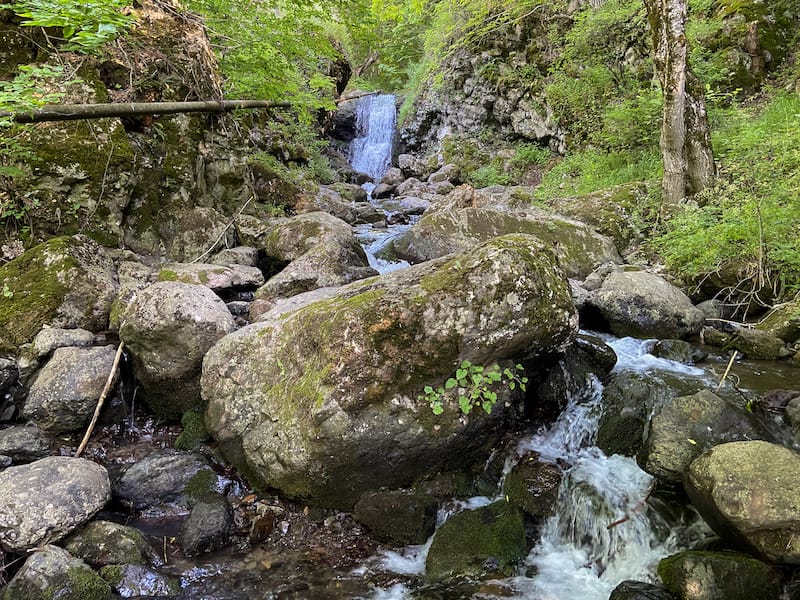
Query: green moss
pixel 167 275
pixel 113 574
pixel 36 285
pixel 200 486
pixel 85 584
pixel 194 431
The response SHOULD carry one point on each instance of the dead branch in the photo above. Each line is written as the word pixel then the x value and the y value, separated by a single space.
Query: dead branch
pixel 636 509
pixel 102 399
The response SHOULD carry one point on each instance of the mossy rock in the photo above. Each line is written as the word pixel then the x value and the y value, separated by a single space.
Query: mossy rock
pixel 66 282
pixel 783 322
pixel 532 485
pixel 103 543
pixel 474 542
pixel 194 431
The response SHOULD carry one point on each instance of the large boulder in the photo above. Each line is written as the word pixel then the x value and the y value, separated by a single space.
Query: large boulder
pixel 644 305
pixel 48 499
pixel 783 322
pixel 747 491
pixel 687 426
pixel 220 278
pixel 322 403
pixel 578 248
pixel 400 516
pixel 24 444
pixel 103 543
pixel 65 282
pixel 167 329
pixel 64 393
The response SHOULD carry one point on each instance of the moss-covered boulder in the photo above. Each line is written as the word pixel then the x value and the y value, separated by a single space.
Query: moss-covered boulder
pixel 783 322
pixel 399 516
pixel 532 485
pixel 578 248
pixel 747 492
pixel 474 542
pixel 198 233
pixel 700 575
pixel 219 278
pixel 640 304
pixel 52 573
pixel 322 403
pixel 167 329
pixel 65 282
pixel 685 427
pixel 103 543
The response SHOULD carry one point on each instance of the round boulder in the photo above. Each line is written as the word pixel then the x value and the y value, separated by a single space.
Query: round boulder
pixel 323 402
pixel 48 499
pixel 168 329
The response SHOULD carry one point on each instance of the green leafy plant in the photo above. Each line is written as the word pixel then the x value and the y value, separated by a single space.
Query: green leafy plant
pixel 7 293
pixel 476 386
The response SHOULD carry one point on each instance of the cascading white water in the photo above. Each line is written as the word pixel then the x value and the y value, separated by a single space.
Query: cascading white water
pixel 371 151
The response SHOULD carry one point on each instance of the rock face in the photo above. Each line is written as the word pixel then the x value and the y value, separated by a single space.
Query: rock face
pixel 719 576
pixel 644 305
pixel 748 491
pixel 64 394
pixel 474 539
pixel 75 490
pixel 65 282
pixel 687 426
pixel 321 402
pixel 578 248
pixel 53 573
pixel 168 329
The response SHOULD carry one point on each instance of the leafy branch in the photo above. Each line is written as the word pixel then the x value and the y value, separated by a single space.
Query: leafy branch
pixel 476 386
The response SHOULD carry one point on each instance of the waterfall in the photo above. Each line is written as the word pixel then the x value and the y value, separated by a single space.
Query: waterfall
pixel 371 152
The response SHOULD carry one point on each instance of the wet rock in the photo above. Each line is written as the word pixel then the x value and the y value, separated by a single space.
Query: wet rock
pixel 678 350
pixel 793 417
pixel 367 213
pixel 351 192
pixel 644 305
pixel 50 338
pixel 167 330
pixel 449 172
pixel 198 232
pixel 783 322
pixel 240 255
pixel 65 391
pixel 719 576
pixel 532 485
pixel 638 590
pixel 578 248
pixel 75 490
pixel 8 374
pixel 383 190
pixel 687 426
pixel 208 526
pixel 393 176
pixel 137 581
pixel 473 542
pixel 66 282
pixel 295 398
pixel 218 278
pixel 402 517
pixel 51 573
pixel 747 492
pixel 163 476
pixel 629 399
pixel 24 444
pixel 103 543
pixel 714 337
pixel 757 344
pixel 239 308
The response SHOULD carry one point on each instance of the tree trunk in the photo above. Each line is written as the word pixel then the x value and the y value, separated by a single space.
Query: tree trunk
pixel 68 112
pixel 685 142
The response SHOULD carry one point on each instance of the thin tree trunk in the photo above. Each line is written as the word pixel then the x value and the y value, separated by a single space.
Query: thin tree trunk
pixel 685 142
pixel 74 112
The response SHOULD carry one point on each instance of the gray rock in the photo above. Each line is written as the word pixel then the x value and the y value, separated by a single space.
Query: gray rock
pixel 238 308
pixel 402 517
pixel 678 350
pixel 472 542
pixel 449 172
pixel 687 426
pixel 65 391
pixel 532 485
pixel 329 201
pixel 383 190
pixel 8 374
pixel 393 176
pixel 134 274
pixel 51 573
pixel 240 255
pixel 137 581
pixel 161 476
pixel 50 338
pixel 367 213
pixel 48 499
pixel 216 277
pixel 644 305
pixel 638 590
pixel 783 322
pixel 747 492
pixel 168 329
pixel 293 400
pixel 719 576
pixel 103 543
pixel 198 232
pixel 441 188
pixel 24 443
pixel 208 526
pixel 757 344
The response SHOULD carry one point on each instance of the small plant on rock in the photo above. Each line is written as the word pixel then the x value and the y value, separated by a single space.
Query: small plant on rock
pixel 476 386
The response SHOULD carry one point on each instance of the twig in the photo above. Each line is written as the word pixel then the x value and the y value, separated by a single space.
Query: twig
pixel 728 370
pixel 224 231
pixel 636 508
pixel 102 399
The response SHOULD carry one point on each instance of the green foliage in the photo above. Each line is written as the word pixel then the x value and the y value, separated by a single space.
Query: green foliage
pixel 475 386
pixel 746 227
pixel 487 175
pixel 85 26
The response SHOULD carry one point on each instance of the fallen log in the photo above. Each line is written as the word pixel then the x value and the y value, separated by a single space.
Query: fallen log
pixel 74 112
